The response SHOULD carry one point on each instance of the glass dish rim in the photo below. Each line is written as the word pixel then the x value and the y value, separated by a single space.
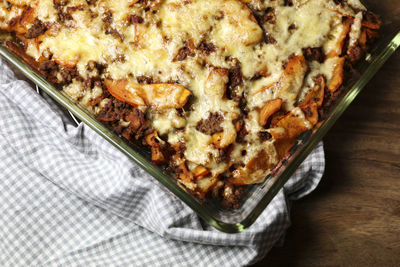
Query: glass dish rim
pixel 385 50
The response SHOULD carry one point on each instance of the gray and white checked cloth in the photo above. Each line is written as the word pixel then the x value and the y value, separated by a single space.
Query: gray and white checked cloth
pixel 69 198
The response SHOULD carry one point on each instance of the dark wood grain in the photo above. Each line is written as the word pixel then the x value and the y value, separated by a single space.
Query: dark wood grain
pixel 353 218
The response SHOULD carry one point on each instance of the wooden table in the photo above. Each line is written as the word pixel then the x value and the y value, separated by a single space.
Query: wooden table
pixel 353 217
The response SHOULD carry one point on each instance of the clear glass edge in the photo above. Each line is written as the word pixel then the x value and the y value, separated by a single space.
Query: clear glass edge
pixel 154 171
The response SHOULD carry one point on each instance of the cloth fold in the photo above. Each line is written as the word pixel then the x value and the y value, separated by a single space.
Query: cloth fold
pixel 69 197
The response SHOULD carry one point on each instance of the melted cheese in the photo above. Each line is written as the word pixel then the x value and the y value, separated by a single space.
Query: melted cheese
pixel 230 29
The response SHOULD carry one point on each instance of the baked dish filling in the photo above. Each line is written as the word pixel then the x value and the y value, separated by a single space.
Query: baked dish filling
pixel 218 90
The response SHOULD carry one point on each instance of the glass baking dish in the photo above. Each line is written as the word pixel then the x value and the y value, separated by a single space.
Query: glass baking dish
pixel 256 197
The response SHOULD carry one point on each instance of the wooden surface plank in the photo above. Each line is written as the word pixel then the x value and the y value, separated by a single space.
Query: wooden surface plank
pixel 353 218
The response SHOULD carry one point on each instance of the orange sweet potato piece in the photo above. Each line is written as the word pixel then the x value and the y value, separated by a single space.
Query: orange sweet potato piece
pixel 157 155
pixel 200 171
pixel 184 175
pixel 158 96
pixel 276 117
pixel 119 89
pixel 182 171
pixel 294 65
pixel 166 95
pixel 268 110
pixel 291 80
pixel 362 39
pixel 258 163
pixel 316 94
pixel 223 139
pixel 204 185
pixel 311 112
pixel 69 64
pixel 290 126
pixel 337 78
pixel 245 175
pixel 337 51
pixel 283 146
pixel 151 139
pixel 216 139
pixel 26 18
pixel 240 177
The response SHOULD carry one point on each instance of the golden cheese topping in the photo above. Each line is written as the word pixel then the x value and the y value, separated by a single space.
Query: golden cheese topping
pixel 212 75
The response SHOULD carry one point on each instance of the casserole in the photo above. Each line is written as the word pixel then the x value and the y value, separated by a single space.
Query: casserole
pixel 228 220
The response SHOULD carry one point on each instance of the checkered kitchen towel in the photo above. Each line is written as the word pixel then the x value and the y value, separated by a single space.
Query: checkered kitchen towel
pixel 67 197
